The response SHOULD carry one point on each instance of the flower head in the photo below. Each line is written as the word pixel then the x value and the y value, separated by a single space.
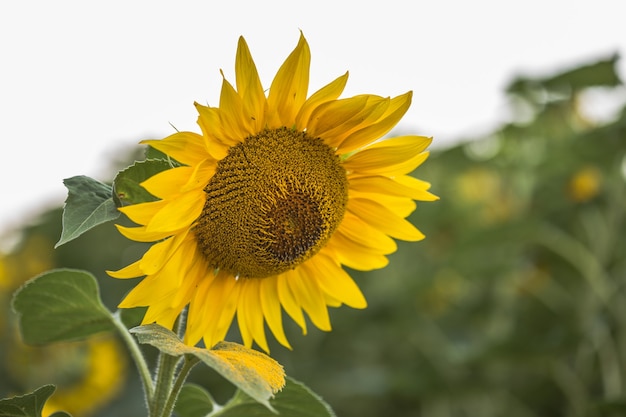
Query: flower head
pixel 268 203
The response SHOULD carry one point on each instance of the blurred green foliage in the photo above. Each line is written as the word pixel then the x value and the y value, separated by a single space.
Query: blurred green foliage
pixel 513 306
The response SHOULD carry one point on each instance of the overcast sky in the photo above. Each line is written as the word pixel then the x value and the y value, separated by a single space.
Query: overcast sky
pixel 80 80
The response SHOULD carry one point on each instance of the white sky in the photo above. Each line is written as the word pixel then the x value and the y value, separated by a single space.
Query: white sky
pixel 81 79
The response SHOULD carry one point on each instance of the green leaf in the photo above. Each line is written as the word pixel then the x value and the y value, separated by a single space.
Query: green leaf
pixel 251 371
pixel 295 400
pixel 29 405
pixel 62 304
pixel 193 401
pixel 127 183
pixel 616 406
pixel 152 153
pixel 88 204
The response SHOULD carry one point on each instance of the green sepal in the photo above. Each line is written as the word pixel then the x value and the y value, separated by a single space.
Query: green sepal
pixel 231 360
pixel 89 203
pixel 28 405
pixel 60 305
pixel 127 183
pixel 193 401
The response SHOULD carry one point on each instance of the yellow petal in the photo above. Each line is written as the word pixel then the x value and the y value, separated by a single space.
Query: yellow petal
pixel 231 113
pixel 418 186
pixel 400 206
pixel 250 312
pixel 210 122
pixel 191 271
pixel 185 147
pixel 374 109
pixel 179 213
pixel 244 331
pixel 160 253
pixel 160 314
pixel 335 281
pixel 412 144
pixel 140 234
pixel 144 212
pixel 397 108
pixel 228 310
pixel 171 262
pixel 389 156
pixel 331 301
pixel 151 291
pixel 198 320
pixel 403 186
pixel 131 271
pixel 201 175
pixel 290 86
pixel 217 306
pixel 408 166
pixel 249 87
pixel 335 113
pixel 288 301
pixel 361 232
pixel 308 294
pixel 354 255
pixel 270 304
pixel 168 183
pixel 384 219
pixel 327 93
pixel 217 141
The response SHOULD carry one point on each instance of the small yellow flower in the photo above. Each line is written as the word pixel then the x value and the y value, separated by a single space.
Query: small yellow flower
pixel 486 195
pixel 585 184
pixel 104 375
pixel 88 374
pixel 275 195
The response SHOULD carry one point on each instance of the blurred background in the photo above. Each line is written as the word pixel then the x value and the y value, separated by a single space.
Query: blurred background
pixel 82 82
pixel 515 302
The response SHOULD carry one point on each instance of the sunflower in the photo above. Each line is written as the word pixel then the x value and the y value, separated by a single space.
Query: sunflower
pixel 268 204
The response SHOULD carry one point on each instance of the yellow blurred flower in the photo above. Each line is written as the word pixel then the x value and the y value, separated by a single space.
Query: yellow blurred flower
pixel 585 184
pixel 87 374
pixel 32 257
pixel 446 288
pixel 484 188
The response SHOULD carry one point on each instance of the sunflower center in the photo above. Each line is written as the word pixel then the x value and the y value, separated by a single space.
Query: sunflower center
pixel 273 203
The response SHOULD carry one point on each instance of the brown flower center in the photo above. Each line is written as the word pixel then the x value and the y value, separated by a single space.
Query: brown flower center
pixel 273 203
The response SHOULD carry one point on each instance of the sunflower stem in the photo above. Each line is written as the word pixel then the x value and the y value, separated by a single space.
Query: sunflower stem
pixel 190 362
pixel 163 383
pixel 135 353
pixel 165 372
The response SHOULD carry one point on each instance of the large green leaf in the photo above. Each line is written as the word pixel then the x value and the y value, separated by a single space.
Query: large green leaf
pixel 295 400
pixel 28 405
pixel 89 203
pixel 127 184
pixel 251 371
pixel 62 304
pixel 193 401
